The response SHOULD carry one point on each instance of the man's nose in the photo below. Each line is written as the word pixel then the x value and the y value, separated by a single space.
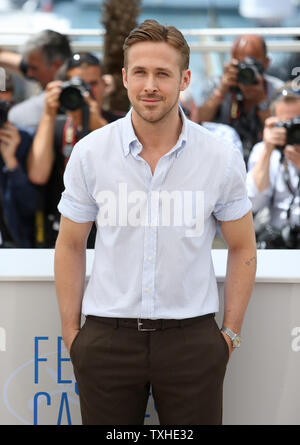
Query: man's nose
pixel 150 85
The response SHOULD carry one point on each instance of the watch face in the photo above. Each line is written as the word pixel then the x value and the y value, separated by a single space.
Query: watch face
pixel 236 342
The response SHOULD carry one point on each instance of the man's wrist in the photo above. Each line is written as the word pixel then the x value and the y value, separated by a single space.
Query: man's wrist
pixel 233 336
pixel 11 163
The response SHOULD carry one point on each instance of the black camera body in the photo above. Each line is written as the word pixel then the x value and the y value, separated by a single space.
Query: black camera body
pixel 4 107
pixel 72 95
pixel 249 70
pixel 292 131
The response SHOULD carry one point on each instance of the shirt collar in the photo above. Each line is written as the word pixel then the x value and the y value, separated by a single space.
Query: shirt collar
pixel 129 137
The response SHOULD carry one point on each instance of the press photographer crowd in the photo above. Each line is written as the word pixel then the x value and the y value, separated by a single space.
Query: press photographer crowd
pixel 246 106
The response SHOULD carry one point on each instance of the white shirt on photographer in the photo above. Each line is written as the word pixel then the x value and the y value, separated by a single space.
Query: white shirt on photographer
pixel 277 197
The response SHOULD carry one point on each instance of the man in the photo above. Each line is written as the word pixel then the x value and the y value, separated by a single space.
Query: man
pixel 18 197
pixel 57 133
pixel 43 54
pixel 151 299
pixel 241 101
pixel 274 171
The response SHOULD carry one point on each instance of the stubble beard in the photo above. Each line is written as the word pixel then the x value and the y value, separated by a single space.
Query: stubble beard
pixel 156 118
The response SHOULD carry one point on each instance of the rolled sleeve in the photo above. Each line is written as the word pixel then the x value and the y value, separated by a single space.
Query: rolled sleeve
pixel 233 203
pixel 77 203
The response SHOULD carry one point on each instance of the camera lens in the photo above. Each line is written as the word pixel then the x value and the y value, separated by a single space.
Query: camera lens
pixel 247 76
pixel 71 98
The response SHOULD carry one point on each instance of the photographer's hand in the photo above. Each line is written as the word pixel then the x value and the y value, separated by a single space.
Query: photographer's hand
pixel 229 77
pixel 292 154
pixel 96 120
pixel 9 142
pixel 208 110
pixel 272 136
pixel 53 90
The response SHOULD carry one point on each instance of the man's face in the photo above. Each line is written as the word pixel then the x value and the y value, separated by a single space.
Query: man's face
pixel 39 70
pixel 287 110
pixel 91 75
pixel 154 79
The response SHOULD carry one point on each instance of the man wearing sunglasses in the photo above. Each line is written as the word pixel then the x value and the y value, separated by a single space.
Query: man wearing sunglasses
pixel 62 124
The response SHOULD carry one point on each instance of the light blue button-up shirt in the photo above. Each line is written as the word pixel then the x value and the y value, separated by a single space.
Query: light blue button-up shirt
pixel 153 244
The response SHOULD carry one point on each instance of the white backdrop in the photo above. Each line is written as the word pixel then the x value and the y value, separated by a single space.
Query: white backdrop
pixel 37 385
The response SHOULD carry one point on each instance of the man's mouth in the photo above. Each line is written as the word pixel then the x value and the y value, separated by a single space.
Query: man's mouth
pixel 150 100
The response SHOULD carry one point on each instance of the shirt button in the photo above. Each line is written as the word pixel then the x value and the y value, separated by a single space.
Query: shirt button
pixel 147 289
pixel 149 258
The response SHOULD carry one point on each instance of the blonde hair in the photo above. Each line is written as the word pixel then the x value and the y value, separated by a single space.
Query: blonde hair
pixel 152 31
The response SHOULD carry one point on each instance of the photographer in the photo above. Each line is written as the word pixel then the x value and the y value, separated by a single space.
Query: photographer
pixel 17 194
pixel 42 55
pixel 274 171
pixel 240 98
pixel 80 98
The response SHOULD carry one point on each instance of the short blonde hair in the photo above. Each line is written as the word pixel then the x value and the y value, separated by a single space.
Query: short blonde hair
pixel 152 31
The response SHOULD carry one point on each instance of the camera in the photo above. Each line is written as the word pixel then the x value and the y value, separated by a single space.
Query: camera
pixel 72 95
pixel 4 107
pixel 249 70
pixel 292 131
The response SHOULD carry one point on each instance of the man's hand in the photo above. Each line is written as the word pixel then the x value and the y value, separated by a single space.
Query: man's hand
pixel 229 344
pixel 273 135
pixel 229 78
pixel 292 154
pixel 96 120
pixel 9 141
pixel 255 94
pixel 68 337
pixel 53 90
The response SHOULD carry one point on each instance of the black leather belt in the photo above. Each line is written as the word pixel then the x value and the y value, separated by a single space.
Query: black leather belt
pixel 142 324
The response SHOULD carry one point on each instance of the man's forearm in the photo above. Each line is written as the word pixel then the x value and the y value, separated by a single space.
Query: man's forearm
pixel 240 276
pixel 261 170
pixel 41 156
pixel 207 111
pixel 10 60
pixel 70 266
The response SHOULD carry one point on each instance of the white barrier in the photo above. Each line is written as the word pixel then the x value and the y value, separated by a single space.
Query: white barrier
pixel 37 385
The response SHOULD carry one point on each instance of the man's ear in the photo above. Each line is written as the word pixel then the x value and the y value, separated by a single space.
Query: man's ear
pixel 185 80
pixel 124 76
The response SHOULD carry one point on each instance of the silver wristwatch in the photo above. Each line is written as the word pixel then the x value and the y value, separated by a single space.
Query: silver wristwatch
pixel 235 338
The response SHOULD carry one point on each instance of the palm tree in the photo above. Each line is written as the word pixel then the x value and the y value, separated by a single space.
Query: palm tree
pixel 119 17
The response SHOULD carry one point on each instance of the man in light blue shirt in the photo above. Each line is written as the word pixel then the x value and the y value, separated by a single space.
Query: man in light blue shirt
pixel 155 183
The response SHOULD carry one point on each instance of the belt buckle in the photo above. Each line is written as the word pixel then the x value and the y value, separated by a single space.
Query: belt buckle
pixel 140 326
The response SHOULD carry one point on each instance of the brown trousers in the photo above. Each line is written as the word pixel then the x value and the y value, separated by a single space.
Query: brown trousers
pixel 115 365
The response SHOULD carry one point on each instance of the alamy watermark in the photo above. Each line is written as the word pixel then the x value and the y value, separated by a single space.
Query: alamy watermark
pixel 2 79
pixel 157 208
pixel 296 81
